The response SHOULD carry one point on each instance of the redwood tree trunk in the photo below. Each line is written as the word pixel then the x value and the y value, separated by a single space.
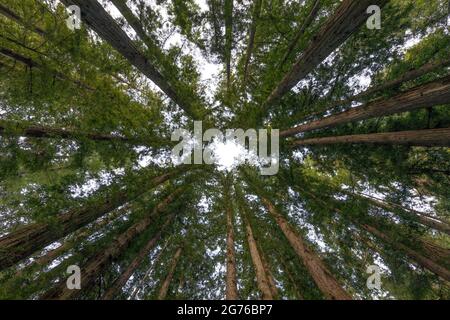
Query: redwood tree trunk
pixel 323 278
pixel 423 96
pixel 95 265
pixel 347 19
pixel 26 240
pixel 165 285
pixel 416 256
pixel 231 282
pixel 425 138
pixel 261 275
pixel 126 274
pixel 251 39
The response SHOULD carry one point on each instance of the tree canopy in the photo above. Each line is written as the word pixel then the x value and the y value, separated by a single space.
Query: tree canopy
pixel 86 170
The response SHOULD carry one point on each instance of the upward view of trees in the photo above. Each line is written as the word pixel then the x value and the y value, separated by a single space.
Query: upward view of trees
pixel 87 178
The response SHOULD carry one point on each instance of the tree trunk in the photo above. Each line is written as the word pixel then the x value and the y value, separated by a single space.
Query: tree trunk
pixel 228 40
pixel 126 274
pixel 418 216
pixel 422 260
pixel 261 275
pixel 37 131
pixel 251 39
pixel 427 95
pixel 93 14
pixel 12 15
pixel 270 279
pixel 285 267
pixel 134 264
pixel 347 19
pixel 424 138
pixel 301 31
pixel 323 278
pixel 165 286
pixel 26 240
pixel 231 282
pixel 95 265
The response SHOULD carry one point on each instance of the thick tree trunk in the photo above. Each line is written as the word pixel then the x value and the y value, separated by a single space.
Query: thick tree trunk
pixel 26 240
pixel 103 24
pixel 165 285
pixel 95 265
pixel 416 256
pixel 323 278
pixel 231 291
pixel 301 31
pixel 347 19
pixel 134 264
pixel 423 96
pixel 261 275
pixel 424 138
pixel 251 39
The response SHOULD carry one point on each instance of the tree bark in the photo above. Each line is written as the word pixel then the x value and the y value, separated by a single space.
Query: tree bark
pixel 347 19
pixel 13 16
pixel 422 260
pixel 418 216
pixel 228 40
pixel 231 291
pixel 134 264
pixel 95 265
pixel 251 39
pixel 37 131
pixel 165 285
pixel 269 275
pixel 424 138
pixel 323 278
pixel 26 240
pixel 301 31
pixel 104 25
pixel 261 275
pixel 427 95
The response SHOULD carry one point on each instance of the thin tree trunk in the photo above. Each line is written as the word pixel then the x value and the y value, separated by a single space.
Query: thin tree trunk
pixel 37 131
pixel 261 275
pixel 12 15
pixel 104 25
pixel 231 291
pixel 33 64
pixel 323 278
pixel 285 267
pixel 26 240
pixel 95 265
pixel 422 260
pixel 134 264
pixel 427 95
pixel 269 275
pixel 418 216
pixel 347 19
pixel 301 31
pixel 165 285
pixel 424 138
pixel 251 39
pixel 228 40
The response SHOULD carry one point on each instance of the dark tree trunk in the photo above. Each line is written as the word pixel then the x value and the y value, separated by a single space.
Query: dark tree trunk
pixel 424 138
pixel 427 95
pixel 347 19
pixel 165 285
pixel 323 278
pixel 95 265
pixel 26 240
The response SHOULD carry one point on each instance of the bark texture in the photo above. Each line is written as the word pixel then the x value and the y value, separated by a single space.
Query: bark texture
pixel 424 138
pixel 323 278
